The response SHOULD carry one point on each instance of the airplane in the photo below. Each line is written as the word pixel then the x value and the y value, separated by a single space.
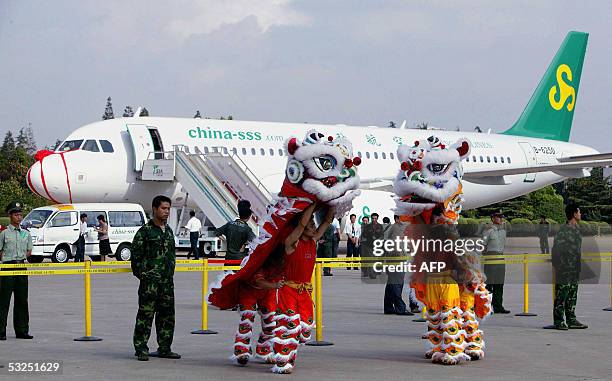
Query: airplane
pixel 103 161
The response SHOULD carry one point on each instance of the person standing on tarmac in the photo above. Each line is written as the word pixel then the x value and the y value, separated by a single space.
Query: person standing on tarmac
pixel 494 238
pixel 237 233
pixel 15 247
pixel 153 262
pixel 193 226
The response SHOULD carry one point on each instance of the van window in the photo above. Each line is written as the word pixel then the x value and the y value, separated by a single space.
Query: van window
pixel 106 146
pixel 125 219
pixel 36 218
pixel 64 219
pixel 92 217
pixel 91 146
pixel 70 145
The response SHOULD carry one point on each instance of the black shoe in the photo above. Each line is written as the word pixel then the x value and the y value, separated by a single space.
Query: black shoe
pixel 577 325
pixel 502 311
pixel 26 336
pixel 3 337
pixel 355 268
pixel 561 327
pixel 327 274
pixel 165 355
pixel 415 310
pixel 405 313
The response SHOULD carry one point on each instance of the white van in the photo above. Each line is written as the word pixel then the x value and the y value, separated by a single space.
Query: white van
pixel 55 229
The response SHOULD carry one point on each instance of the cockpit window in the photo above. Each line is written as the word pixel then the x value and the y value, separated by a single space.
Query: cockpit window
pixel 106 146
pixel 91 145
pixel 70 145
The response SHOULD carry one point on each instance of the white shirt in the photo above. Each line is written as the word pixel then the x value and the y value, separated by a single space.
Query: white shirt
pixel 336 225
pixel 194 225
pixel 352 230
pixel 83 228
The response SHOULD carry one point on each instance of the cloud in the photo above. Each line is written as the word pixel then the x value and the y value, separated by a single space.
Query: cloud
pixel 159 26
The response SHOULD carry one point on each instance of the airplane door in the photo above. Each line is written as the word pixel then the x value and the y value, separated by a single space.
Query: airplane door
pixel 530 157
pixel 142 144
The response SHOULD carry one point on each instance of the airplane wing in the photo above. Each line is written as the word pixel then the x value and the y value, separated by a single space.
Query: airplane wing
pixel 569 167
pixel 572 166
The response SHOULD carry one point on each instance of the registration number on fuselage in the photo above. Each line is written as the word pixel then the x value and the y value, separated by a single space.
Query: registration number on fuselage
pixel 544 150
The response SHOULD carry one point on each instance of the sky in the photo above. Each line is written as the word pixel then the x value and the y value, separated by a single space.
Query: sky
pixel 450 63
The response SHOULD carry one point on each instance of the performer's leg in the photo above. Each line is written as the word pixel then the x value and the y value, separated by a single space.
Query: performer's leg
pixel 286 332
pixel 242 342
pixel 264 344
pixel 473 334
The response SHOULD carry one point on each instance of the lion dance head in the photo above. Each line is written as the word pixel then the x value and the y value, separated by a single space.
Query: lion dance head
pixel 430 177
pixel 324 166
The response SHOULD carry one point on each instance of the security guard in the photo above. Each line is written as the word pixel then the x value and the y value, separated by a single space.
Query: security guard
pixel 15 247
pixel 494 238
pixel 325 247
pixel 566 255
pixel 153 262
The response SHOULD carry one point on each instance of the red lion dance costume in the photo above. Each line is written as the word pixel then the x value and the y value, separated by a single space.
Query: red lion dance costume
pixel 319 168
pixel 429 192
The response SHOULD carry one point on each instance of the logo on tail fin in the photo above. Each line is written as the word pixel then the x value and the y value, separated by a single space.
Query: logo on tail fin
pixel 565 90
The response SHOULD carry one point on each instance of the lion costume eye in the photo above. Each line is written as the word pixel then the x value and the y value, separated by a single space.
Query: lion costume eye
pixel 325 163
pixel 437 168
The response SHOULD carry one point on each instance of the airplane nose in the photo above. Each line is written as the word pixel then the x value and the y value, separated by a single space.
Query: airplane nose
pixel 48 178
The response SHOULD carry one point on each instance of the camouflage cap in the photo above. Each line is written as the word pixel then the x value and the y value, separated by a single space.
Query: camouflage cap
pixel 14 207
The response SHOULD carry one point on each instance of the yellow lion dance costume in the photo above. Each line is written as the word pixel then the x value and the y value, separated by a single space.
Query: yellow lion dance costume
pixel 429 197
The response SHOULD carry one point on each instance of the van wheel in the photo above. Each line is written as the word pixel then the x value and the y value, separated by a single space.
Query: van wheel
pixel 124 252
pixel 61 254
pixel 205 249
pixel 35 258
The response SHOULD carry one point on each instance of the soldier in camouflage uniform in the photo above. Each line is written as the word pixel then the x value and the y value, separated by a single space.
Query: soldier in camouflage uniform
pixel 566 263
pixel 153 261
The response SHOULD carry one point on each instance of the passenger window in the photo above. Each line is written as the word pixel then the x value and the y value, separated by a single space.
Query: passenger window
pixel 359 154
pixel 384 155
pixel 70 145
pixel 64 219
pixel 495 159
pixel 244 151
pixel 481 160
pixel 253 152
pixel 474 159
pixel 375 155
pixel 91 146
pixel 280 152
pixel 509 160
pixel 92 217
pixel 125 219
pixel 368 155
pixel 262 151
pixel 106 146
pixel 488 159
pixel 235 151
pixel 391 155
pixel 467 158
pixel 205 150
pixel 271 152
pixel 502 159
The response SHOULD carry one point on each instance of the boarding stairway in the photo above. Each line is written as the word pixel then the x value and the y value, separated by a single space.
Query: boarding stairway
pixel 214 181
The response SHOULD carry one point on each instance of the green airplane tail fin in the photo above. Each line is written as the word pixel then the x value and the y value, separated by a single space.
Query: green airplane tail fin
pixel 550 110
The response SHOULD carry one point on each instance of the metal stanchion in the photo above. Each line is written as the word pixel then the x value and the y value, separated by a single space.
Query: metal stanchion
pixel 319 342
pixel 204 329
pixel 610 308
pixel 525 289
pixel 88 336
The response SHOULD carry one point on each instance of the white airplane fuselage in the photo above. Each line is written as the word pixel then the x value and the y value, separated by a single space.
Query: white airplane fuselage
pixel 85 176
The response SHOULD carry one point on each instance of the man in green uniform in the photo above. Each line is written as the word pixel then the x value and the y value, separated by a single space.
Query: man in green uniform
pixel 494 237
pixel 566 255
pixel 325 247
pixel 237 233
pixel 153 261
pixel 15 247
pixel 543 231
